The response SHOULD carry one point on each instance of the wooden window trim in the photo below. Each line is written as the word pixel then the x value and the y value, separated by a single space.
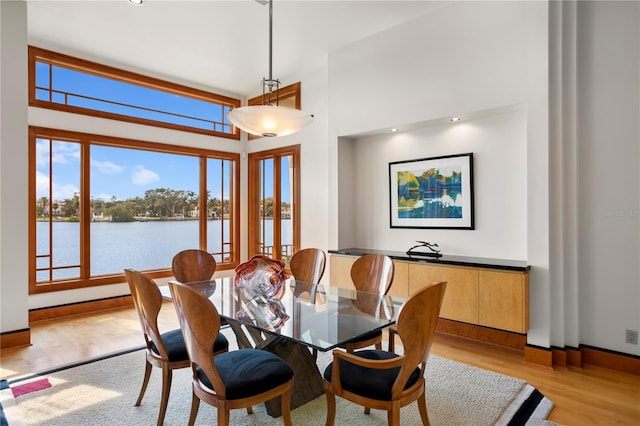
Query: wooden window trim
pixel 290 91
pixel 93 139
pixel 37 54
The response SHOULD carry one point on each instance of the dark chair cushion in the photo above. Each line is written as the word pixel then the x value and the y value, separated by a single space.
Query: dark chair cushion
pixel 365 337
pixel 248 372
pixel 370 382
pixel 174 342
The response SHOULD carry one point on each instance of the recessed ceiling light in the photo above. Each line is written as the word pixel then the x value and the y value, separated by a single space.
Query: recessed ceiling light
pixel 454 119
pixel 394 130
pixel 136 2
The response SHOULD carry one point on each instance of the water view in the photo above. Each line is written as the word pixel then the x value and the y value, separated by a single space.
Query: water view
pixel 138 245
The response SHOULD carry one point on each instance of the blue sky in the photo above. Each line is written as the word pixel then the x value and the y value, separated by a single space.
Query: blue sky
pixel 123 173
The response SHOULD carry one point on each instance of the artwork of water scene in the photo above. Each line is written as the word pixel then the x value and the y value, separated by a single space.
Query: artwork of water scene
pixel 432 192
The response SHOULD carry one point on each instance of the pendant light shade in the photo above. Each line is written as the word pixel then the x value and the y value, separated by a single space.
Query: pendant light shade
pixel 268 119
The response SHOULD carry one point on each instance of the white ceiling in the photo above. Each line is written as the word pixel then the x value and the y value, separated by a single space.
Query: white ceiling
pixel 219 44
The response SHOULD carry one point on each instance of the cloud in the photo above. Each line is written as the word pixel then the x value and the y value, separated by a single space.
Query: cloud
pixel 142 176
pixel 106 167
pixel 104 197
pixel 59 192
pixel 63 192
pixel 63 152
pixel 42 184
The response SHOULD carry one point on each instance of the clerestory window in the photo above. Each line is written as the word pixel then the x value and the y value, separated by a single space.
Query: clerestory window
pixel 75 85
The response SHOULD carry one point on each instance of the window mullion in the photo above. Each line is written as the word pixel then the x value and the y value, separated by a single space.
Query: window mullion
pixel 85 211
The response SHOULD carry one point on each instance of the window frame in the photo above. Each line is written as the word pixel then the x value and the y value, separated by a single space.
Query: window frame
pixel 37 54
pixel 87 139
pixel 253 210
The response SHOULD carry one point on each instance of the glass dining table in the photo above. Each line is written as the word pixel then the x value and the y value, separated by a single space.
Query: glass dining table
pixel 294 316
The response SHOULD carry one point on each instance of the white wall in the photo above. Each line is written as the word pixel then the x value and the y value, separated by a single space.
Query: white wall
pixel 13 167
pixel 499 145
pixel 462 59
pixel 609 172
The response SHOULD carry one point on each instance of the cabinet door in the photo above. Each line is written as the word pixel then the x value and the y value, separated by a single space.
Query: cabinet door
pixel 460 301
pixel 504 300
pixel 421 275
pixel 341 271
pixel 400 277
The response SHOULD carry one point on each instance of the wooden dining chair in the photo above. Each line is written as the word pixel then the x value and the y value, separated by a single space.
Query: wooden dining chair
pixel 236 379
pixel 164 350
pixel 193 265
pixel 384 380
pixel 308 265
pixel 372 273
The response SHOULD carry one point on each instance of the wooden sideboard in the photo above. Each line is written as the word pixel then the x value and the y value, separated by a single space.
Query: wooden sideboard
pixel 486 292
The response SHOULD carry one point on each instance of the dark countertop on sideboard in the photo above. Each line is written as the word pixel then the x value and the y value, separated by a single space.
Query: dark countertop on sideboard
pixel 478 262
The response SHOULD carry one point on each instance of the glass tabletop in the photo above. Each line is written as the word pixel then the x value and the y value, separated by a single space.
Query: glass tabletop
pixel 318 316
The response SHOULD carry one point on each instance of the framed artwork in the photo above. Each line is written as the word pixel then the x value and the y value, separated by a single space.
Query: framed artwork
pixel 432 192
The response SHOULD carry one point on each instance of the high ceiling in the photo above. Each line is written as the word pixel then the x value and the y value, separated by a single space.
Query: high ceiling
pixel 219 44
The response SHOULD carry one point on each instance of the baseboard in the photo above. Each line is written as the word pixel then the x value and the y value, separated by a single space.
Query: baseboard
pixel 90 306
pixel 14 339
pixel 567 357
pixel 610 359
pixel 584 355
pixel 540 356
pixel 483 334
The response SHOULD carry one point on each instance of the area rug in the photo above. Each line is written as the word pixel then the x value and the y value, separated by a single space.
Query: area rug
pixel 102 392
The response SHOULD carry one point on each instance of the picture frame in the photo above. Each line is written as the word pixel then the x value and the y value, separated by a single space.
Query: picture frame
pixel 434 192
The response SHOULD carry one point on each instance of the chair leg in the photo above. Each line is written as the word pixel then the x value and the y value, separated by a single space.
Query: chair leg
pixel 249 410
pixel 379 345
pixel 286 407
pixel 195 404
pixel 145 382
pixel 166 388
pixel 223 415
pixel 367 410
pixel 331 408
pixel 392 342
pixel 393 415
pixel 422 406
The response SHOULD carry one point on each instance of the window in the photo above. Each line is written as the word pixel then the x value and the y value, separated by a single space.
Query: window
pixel 70 84
pixel 101 204
pixel 274 202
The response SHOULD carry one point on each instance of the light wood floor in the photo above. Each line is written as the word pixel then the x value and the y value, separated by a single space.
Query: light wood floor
pixel 588 396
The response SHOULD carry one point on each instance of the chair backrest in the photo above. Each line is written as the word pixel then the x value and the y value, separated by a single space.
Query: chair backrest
pixel 416 326
pixel 147 301
pixel 200 325
pixel 308 265
pixel 193 265
pixel 372 273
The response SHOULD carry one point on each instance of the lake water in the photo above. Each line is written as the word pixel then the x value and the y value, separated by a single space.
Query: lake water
pixel 119 245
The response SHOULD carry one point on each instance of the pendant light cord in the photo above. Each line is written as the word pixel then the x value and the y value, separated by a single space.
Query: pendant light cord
pixel 269 84
pixel 270 38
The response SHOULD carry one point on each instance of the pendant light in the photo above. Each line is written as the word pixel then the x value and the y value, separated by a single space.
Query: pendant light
pixel 268 119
